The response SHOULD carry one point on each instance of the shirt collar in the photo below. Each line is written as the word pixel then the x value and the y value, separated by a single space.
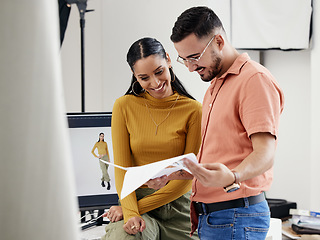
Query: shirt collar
pixel 235 67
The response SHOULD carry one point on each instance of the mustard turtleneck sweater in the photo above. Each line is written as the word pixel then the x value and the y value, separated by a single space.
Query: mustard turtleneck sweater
pixel 102 149
pixel 137 141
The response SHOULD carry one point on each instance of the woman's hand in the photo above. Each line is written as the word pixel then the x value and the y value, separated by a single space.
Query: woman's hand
pixel 134 225
pixel 157 183
pixel 114 214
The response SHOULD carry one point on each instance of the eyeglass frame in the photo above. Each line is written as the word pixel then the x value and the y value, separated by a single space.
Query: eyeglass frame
pixel 194 60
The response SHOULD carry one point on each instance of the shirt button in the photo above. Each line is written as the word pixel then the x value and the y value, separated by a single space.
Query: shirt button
pixel 210 104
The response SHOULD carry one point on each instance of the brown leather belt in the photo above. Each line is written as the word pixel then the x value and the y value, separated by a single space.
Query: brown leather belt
pixel 205 208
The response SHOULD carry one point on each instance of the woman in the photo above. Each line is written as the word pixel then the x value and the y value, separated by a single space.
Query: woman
pixel 103 152
pixel 156 119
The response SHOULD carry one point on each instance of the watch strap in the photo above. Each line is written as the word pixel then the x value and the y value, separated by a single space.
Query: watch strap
pixel 236 176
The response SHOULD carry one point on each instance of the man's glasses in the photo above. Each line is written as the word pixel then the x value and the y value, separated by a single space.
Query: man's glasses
pixel 194 60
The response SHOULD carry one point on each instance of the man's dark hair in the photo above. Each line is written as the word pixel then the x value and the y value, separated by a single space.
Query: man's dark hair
pixel 198 20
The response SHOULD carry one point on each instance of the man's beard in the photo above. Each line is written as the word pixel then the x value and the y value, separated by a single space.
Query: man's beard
pixel 214 69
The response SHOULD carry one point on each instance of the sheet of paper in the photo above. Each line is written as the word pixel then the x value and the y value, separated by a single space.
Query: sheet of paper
pixel 137 176
pixel 115 165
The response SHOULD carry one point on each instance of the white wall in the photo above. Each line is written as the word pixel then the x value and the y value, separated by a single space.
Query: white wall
pixel 115 25
pixel 297 162
pixel 292 163
pixel 109 32
pixel 315 111
pixel 70 53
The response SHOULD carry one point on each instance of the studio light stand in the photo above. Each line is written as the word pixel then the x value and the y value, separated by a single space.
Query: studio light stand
pixel 82 6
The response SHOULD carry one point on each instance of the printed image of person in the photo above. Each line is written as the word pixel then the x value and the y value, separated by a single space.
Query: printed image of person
pixel 155 120
pixel 103 154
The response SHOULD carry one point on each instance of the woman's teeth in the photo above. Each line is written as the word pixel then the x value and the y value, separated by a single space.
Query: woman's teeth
pixel 159 88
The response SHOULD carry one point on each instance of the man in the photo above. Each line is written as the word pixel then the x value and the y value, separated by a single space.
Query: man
pixel 240 119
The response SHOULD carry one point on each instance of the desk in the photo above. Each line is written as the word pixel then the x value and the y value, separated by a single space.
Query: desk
pixel 98 202
pixel 275 230
pixel 286 227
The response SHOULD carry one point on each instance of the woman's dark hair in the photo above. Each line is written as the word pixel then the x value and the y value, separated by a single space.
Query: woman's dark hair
pixel 198 20
pixel 100 135
pixel 143 48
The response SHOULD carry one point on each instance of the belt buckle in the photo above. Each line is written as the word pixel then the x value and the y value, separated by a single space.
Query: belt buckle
pixel 198 208
pixel 203 208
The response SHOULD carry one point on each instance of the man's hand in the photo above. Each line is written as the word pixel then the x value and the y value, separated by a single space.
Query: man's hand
pixel 114 214
pixel 211 174
pixel 134 225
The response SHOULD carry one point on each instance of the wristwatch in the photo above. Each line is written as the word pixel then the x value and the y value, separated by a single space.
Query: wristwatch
pixel 235 185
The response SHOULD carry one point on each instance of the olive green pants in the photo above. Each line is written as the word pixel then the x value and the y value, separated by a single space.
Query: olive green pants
pixel 168 222
pixel 104 168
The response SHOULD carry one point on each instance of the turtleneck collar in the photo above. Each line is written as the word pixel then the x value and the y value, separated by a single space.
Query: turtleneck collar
pixel 171 98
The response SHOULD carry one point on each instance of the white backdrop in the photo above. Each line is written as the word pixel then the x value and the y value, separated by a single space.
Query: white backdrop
pixel 86 166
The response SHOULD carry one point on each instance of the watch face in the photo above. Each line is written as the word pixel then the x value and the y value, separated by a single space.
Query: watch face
pixel 233 187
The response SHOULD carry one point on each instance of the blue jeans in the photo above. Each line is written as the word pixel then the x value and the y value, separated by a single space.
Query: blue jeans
pixel 248 223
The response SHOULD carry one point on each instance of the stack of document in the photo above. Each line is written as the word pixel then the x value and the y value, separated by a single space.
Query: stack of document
pixel 305 221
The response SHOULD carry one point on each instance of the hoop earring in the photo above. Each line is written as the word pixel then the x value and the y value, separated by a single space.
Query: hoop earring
pixel 173 76
pixel 132 88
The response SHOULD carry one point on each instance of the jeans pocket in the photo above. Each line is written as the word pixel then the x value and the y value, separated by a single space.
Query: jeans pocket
pixel 256 222
pixel 216 226
pixel 256 233
pixel 220 219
